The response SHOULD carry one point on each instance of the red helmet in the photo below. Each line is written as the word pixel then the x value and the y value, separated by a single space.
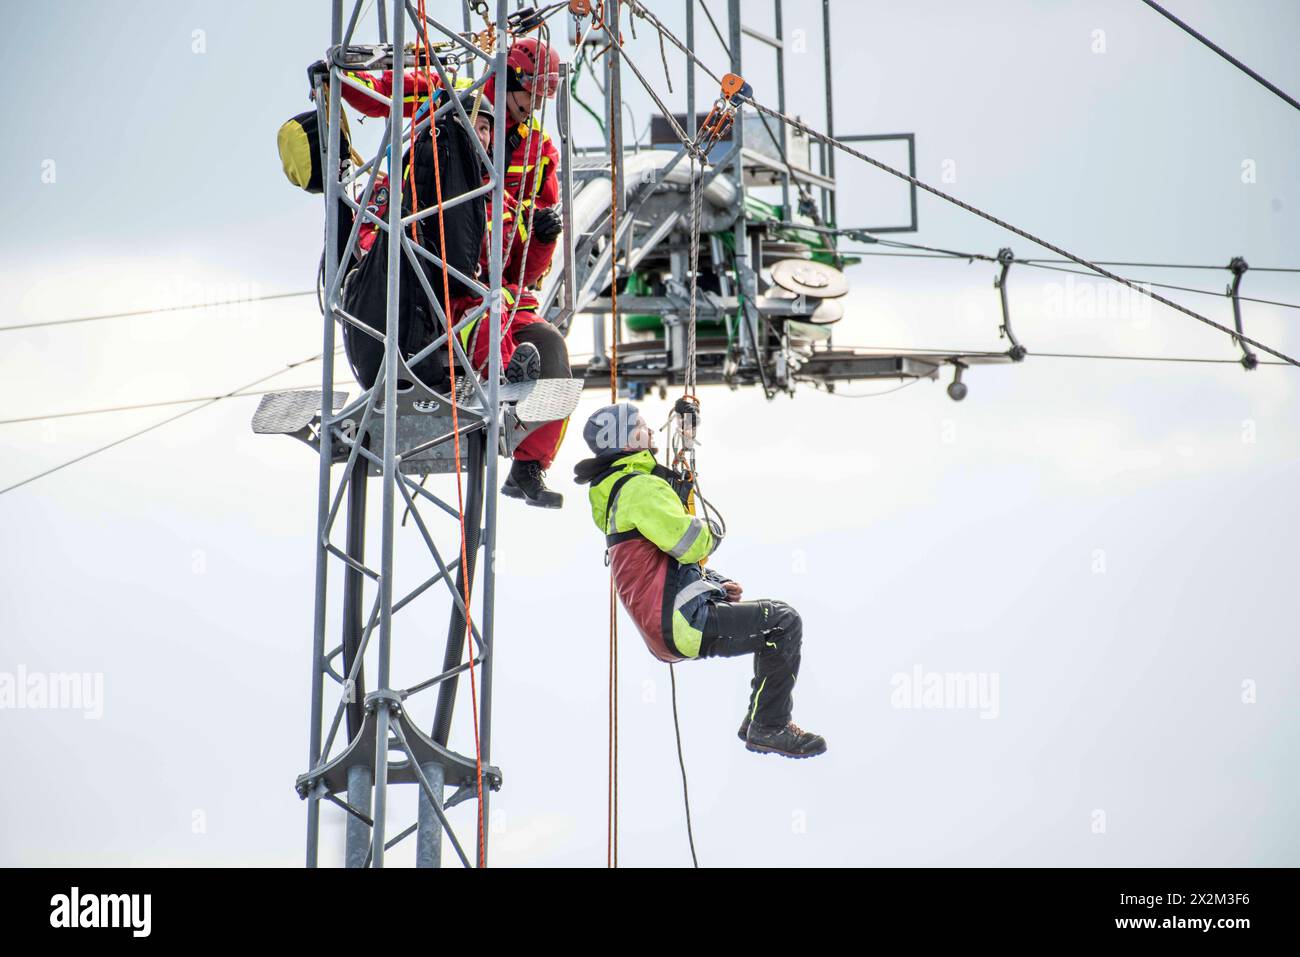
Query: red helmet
pixel 531 61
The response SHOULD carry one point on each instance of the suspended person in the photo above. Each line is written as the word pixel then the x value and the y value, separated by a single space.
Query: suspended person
pixel 683 610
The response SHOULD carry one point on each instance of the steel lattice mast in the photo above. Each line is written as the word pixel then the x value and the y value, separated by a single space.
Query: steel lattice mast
pixel 410 425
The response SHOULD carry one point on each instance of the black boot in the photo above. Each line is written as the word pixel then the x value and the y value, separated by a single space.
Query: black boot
pixel 525 363
pixel 743 733
pixel 525 482
pixel 790 741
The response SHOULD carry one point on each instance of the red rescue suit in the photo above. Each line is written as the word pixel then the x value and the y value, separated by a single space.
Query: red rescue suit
pixel 415 90
pixel 543 443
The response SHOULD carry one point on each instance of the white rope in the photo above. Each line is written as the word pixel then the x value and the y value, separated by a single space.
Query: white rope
pixel 697 200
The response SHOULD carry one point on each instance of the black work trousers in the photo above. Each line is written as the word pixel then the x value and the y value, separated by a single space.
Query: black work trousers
pixel 551 345
pixel 773 633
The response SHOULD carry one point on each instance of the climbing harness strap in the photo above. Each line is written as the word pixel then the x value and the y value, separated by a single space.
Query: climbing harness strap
pixel 612 538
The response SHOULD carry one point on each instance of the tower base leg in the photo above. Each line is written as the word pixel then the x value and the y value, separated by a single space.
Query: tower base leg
pixel 428 835
pixel 356 845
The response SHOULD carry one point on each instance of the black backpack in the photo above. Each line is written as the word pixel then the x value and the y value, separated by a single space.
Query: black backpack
pixel 365 286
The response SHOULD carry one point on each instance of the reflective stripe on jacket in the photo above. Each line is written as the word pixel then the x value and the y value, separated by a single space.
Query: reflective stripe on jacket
pixel 655 555
pixel 415 91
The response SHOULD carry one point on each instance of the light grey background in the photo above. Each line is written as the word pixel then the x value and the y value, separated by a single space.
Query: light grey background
pixel 907 529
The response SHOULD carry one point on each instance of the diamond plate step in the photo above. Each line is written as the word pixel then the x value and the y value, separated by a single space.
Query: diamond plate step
pixel 284 413
pixel 543 400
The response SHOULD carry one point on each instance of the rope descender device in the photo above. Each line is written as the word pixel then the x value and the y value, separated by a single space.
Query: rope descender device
pixel 718 123
pixel 683 425
pixel 687 410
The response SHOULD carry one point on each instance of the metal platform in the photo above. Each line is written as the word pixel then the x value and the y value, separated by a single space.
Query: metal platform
pixel 294 413
pixel 543 400
pixel 424 421
pixel 646 364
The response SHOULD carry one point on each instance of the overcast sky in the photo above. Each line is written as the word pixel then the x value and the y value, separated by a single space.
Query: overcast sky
pixel 1109 544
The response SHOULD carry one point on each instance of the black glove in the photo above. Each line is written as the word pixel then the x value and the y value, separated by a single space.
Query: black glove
pixel 547 224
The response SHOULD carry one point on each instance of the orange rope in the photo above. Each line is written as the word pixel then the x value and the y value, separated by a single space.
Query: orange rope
pixel 611 848
pixel 422 47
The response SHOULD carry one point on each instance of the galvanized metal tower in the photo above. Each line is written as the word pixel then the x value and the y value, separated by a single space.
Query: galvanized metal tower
pixel 395 434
